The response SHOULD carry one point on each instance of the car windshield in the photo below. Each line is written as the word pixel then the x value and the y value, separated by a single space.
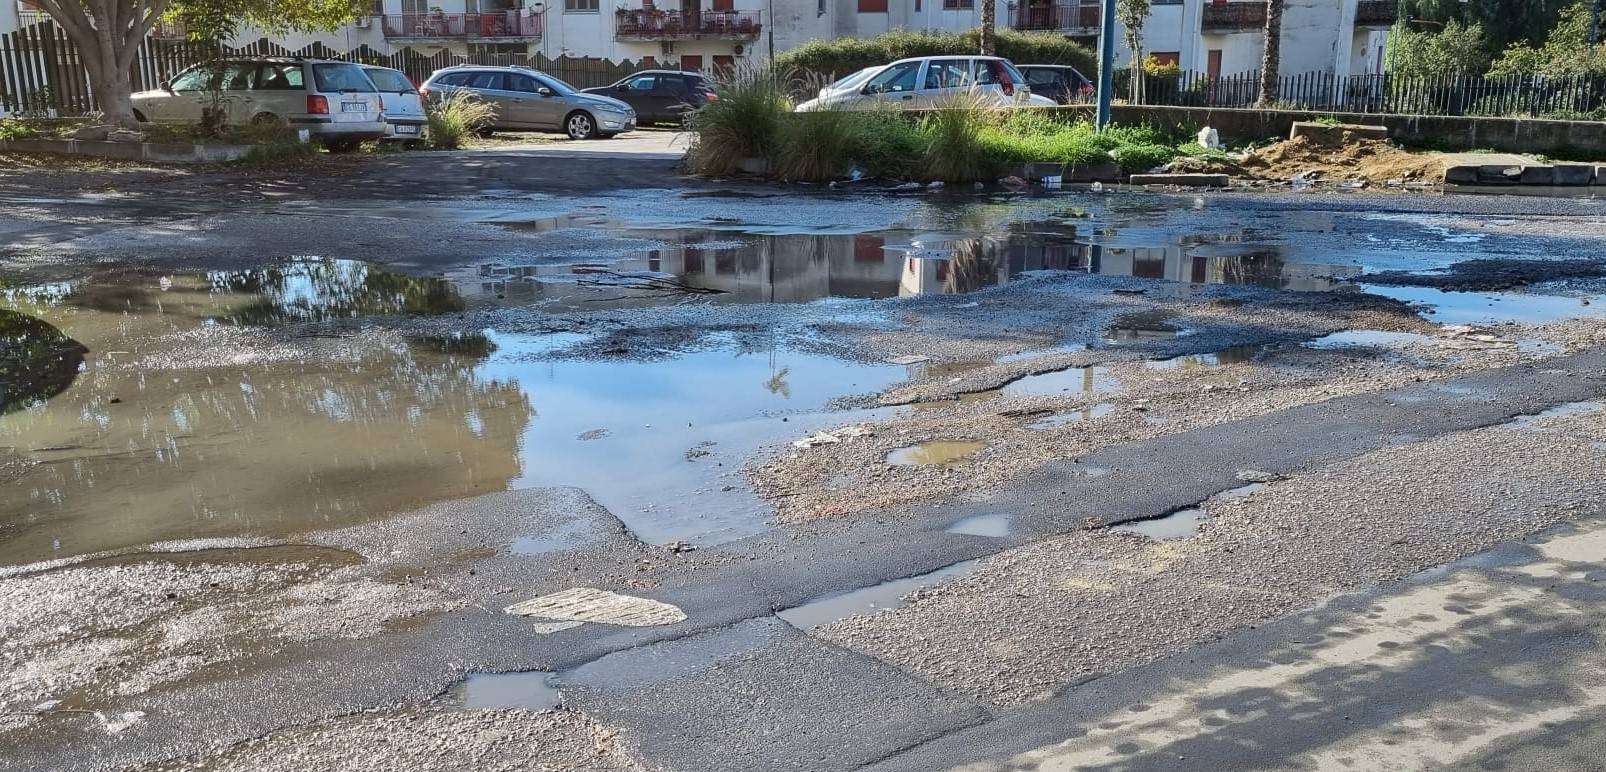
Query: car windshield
pixel 855 80
pixel 389 80
pixel 341 77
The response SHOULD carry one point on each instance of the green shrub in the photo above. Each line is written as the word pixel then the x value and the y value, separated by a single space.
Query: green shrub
pixel 454 116
pixel 12 128
pixel 1137 159
pixel 816 146
pixel 744 123
pixel 956 144
pixel 832 59
pixel 890 145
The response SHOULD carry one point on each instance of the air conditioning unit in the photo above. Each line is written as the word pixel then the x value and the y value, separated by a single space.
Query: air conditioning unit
pixel 364 22
pixel 739 49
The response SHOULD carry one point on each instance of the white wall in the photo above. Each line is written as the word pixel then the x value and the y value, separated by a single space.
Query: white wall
pixel 8 17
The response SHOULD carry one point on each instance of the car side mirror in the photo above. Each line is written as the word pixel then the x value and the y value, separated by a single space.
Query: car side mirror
pixel 544 91
pixel 867 90
pixel 624 86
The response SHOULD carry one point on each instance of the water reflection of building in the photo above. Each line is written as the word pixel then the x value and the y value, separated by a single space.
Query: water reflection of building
pixel 797 268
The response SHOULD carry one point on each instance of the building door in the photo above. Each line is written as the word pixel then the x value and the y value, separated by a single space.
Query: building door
pixel 1213 63
pixel 691 62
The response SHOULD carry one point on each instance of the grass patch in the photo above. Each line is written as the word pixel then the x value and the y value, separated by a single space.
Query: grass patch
pixel 456 116
pixel 744 123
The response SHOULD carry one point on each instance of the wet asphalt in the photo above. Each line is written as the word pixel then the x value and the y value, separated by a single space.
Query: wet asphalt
pixel 734 687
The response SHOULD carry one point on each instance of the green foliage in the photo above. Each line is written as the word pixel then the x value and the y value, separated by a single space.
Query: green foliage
pixel 1154 68
pixel 1566 50
pixel 832 59
pixel 816 146
pixel 454 116
pixel 1132 14
pixel 16 128
pixel 215 20
pixel 744 123
pixel 1136 159
pixel 1504 21
pixel 1452 50
pixel 955 141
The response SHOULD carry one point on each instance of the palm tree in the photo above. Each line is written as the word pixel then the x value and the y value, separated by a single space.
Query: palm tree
pixel 989 12
pixel 1271 53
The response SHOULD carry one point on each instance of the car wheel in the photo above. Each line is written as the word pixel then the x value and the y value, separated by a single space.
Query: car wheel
pixel 485 132
pixel 579 125
pixel 268 119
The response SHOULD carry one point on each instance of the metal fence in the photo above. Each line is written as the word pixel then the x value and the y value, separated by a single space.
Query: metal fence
pixel 1524 95
pixel 42 74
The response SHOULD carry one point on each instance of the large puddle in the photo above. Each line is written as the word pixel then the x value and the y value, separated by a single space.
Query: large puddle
pixel 169 428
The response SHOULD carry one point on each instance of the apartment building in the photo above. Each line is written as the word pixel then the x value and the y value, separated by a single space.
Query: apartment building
pixel 1218 37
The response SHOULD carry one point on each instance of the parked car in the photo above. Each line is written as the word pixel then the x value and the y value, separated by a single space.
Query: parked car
pixel 334 101
pixel 660 95
pixel 405 118
pixel 928 80
pixel 1062 83
pixel 528 99
pixel 842 86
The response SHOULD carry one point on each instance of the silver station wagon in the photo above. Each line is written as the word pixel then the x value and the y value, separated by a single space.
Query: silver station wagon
pixel 528 99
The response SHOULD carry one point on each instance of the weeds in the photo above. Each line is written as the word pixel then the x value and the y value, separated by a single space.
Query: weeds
pixel 452 117
pixel 744 123
pixel 956 145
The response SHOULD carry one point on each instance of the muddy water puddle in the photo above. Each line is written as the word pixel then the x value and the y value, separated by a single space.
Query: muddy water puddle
pixel 527 690
pixel 869 600
pixel 991 526
pixel 949 453
pixel 157 437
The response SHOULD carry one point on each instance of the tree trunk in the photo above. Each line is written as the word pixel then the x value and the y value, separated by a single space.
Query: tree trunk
pixel 989 15
pixel 112 90
pixel 1271 54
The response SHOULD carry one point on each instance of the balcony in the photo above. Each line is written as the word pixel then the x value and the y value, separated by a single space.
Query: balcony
pixel 1068 18
pixel 1234 17
pixel 658 24
pixel 494 25
pixel 1377 13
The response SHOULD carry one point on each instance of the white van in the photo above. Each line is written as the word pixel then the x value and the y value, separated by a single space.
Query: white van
pixel 927 81
pixel 333 100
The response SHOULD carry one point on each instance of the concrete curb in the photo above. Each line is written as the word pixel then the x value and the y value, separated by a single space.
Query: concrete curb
pixel 164 152
pixel 1545 175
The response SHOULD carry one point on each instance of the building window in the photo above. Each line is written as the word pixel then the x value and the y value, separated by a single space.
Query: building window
pixel 378 8
pixel 580 6
pixel 872 6
pixel 957 5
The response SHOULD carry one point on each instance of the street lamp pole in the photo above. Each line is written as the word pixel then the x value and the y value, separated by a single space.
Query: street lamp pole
pixel 1107 63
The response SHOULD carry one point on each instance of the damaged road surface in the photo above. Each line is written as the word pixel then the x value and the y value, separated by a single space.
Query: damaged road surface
pixel 661 474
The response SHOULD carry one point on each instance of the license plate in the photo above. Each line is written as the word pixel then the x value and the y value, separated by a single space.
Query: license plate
pixel 406 129
pixel 354 107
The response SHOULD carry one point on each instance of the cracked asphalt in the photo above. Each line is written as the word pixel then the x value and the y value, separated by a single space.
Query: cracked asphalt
pixel 1415 582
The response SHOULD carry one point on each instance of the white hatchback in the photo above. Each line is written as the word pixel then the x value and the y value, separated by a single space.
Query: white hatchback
pixel 405 118
pixel 928 81
pixel 334 101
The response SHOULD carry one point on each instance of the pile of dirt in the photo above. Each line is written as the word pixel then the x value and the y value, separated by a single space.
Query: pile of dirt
pixel 1352 158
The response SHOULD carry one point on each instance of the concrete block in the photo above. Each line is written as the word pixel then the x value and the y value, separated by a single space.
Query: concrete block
pixel 1040 169
pixel 1499 174
pixel 1574 174
pixel 1537 175
pixel 178 153
pixel 1333 134
pixel 1107 171
pixel 1185 180
pixel 1600 175
pixel 1461 175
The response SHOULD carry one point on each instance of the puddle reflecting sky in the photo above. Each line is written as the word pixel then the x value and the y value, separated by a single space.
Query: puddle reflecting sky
pixel 127 455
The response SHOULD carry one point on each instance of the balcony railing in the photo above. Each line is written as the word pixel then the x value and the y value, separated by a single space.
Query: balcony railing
pixel 462 26
pixel 641 24
pixel 164 29
pixel 1073 18
pixel 1377 13
pixel 1230 17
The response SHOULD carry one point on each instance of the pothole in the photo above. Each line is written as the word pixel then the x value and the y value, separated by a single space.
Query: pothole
pixel 1073 380
pixel 529 690
pixel 1062 419
pixel 992 526
pixel 869 600
pixel 935 453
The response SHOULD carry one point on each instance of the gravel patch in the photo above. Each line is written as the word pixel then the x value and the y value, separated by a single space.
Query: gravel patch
pixel 1033 619
pixel 436 739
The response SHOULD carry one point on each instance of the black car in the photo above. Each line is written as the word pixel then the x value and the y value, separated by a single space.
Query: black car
pixel 660 95
pixel 1061 83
